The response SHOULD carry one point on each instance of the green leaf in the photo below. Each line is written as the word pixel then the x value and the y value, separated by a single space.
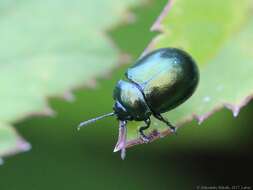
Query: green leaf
pixel 50 47
pixel 218 34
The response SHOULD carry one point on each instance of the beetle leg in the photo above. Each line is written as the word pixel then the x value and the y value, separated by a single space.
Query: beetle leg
pixel 161 118
pixel 144 137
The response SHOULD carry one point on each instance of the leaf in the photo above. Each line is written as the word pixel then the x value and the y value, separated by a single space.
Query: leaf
pixel 50 47
pixel 218 34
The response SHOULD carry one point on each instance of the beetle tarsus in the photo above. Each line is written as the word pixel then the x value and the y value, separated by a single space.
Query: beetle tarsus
pixel 173 129
pixel 144 137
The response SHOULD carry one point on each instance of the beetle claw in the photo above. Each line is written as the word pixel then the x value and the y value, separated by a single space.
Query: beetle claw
pixel 145 139
pixel 173 130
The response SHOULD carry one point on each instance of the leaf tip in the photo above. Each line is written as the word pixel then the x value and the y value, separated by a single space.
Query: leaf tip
pixel 69 96
pixel 201 118
pixel 236 112
pixel 234 108
pixel 47 112
pixel 24 146
pixel 116 149
pixel 119 146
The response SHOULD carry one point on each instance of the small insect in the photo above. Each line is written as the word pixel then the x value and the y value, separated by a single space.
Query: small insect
pixel 158 82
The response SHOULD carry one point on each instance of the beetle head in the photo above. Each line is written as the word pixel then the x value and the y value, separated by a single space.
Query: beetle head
pixel 129 102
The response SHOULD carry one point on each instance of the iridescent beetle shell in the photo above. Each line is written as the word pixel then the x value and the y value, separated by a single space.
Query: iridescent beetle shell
pixel 157 83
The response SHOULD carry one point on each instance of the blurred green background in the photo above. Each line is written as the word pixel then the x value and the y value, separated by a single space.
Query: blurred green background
pixel 217 152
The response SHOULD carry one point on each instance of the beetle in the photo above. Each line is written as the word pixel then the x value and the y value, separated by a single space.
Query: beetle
pixel 157 83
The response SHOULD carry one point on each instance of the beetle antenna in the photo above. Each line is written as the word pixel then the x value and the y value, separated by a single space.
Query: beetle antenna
pixel 94 120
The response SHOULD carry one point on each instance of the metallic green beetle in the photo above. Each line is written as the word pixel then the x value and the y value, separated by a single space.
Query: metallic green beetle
pixel 156 83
